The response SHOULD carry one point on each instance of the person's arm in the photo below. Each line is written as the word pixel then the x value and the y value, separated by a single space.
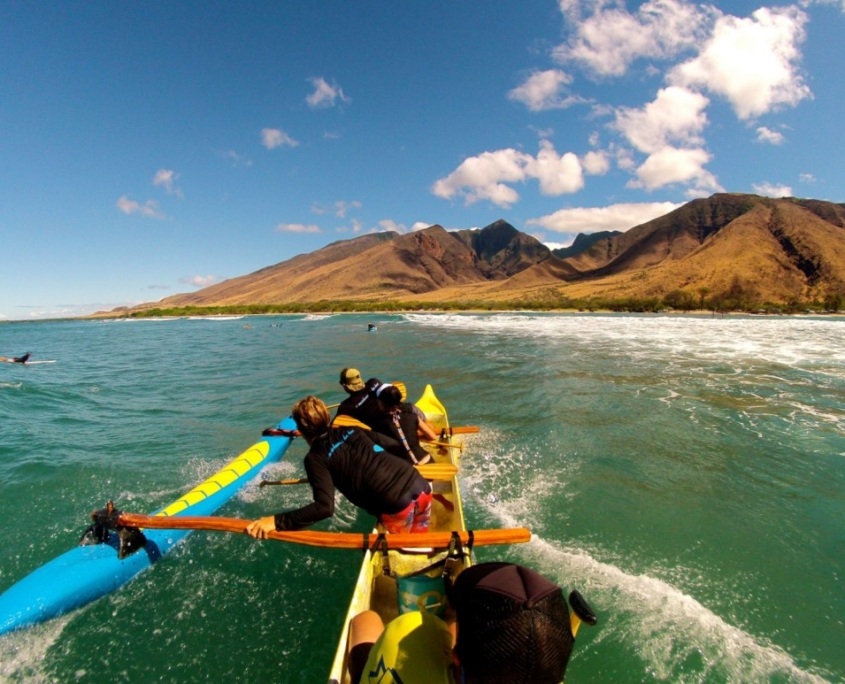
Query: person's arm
pixel 426 430
pixel 322 489
pixel 322 507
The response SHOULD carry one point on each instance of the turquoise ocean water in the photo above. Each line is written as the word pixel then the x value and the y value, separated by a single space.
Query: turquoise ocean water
pixel 686 473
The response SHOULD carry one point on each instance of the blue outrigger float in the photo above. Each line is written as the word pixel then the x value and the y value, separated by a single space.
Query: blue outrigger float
pixel 105 561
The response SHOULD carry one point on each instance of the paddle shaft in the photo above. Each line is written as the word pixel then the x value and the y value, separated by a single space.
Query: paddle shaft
pixel 438 444
pixel 461 430
pixel 334 540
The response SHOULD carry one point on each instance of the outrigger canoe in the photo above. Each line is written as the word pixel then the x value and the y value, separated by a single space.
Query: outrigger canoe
pixel 408 574
pixel 95 567
pixel 394 579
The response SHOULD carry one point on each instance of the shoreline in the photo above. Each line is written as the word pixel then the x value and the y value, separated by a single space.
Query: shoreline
pixel 475 311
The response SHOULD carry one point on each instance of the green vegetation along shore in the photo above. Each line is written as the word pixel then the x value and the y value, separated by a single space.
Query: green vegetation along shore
pixel 674 301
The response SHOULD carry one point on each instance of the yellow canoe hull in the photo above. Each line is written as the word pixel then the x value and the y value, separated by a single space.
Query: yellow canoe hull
pixel 447 514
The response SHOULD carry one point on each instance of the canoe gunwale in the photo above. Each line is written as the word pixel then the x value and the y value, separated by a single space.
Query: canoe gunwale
pixel 414 559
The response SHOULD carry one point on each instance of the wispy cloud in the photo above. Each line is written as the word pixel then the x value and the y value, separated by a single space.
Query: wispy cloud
pixel 297 228
pixel 772 189
pixel 342 207
pixel 325 94
pixel 272 138
pixel 767 135
pixel 166 178
pixel 200 280
pixel 148 209
pixel 236 159
pixel 544 90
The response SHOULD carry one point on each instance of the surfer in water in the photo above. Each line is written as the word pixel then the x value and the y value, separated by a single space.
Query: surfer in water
pixel 16 359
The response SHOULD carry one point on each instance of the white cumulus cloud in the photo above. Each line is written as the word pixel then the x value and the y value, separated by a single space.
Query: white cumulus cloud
pixel 752 62
pixel 767 135
pixel 484 177
pixel 671 165
pixel 610 40
pixel 676 115
pixel 488 176
pixel 595 219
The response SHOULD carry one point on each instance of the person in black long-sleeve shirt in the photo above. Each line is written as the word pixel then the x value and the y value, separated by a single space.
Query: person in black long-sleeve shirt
pixel 344 458
pixel 361 403
pixel 402 424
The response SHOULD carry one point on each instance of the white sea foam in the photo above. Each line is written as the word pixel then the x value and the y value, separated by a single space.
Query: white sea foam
pixel 22 653
pixel 788 341
pixel 674 634
pixel 662 624
pixel 666 626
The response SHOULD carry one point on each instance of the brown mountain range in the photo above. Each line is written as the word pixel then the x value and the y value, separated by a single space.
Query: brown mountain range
pixel 767 250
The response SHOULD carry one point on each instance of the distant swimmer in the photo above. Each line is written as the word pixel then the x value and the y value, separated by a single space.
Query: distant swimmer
pixel 371 327
pixel 16 359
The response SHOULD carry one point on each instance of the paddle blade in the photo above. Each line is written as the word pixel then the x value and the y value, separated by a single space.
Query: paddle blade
pixel 438 471
pixel 348 421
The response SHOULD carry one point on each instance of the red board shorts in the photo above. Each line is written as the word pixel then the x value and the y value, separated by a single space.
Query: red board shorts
pixel 413 518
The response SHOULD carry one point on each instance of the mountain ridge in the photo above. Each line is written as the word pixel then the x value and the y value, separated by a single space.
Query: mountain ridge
pixel 730 244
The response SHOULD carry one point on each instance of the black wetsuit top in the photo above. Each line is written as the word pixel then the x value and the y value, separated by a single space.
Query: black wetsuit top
pixel 362 405
pixel 365 407
pixel 404 435
pixel 344 458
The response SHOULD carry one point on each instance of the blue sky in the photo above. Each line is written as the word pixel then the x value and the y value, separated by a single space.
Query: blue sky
pixel 152 148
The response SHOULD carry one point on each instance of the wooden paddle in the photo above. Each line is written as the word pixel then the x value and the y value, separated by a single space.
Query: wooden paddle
pixel 333 540
pixel 460 430
pixel 348 421
pixel 430 471
pixel 445 445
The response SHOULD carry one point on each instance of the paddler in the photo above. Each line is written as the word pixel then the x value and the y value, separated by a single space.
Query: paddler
pixel 361 403
pixel 399 421
pixel 346 459
pixel 512 626
pixel 16 359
